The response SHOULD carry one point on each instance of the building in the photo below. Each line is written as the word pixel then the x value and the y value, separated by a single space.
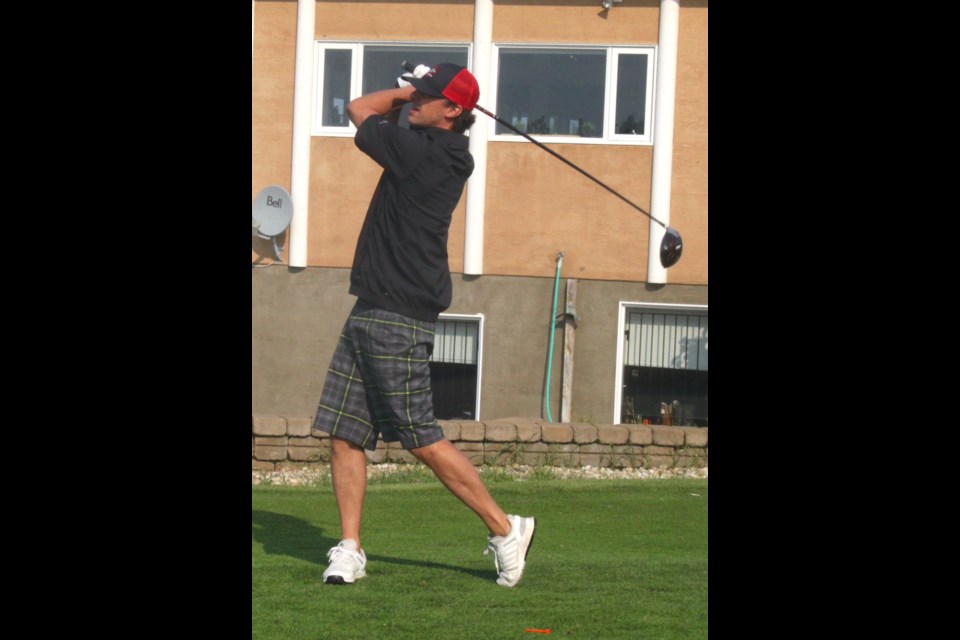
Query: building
pixel 599 84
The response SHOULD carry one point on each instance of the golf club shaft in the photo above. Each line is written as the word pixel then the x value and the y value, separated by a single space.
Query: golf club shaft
pixel 560 157
pixel 409 67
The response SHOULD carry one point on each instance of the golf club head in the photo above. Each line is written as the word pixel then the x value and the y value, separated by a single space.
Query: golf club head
pixel 670 248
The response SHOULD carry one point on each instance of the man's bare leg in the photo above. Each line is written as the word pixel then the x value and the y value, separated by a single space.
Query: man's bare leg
pixel 458 474
pixel 348 469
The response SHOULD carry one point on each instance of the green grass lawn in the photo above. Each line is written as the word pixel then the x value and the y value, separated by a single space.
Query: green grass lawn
pixel 611 559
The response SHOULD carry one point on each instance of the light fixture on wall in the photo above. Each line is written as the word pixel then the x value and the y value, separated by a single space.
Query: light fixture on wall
pixel 608 4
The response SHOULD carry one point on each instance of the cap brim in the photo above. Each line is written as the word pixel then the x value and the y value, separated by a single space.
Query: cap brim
pixel 421 85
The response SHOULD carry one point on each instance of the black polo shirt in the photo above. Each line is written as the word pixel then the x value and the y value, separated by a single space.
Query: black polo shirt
pixel 401 262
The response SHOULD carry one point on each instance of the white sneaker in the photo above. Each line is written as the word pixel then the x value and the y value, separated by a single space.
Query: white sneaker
pixel 346 565
pixel 510 551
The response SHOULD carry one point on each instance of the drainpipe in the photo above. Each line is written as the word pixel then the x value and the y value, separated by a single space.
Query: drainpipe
pixel 477 184
pixel 553 330
pixel 569 335
pixel 300 161
pixel 662 135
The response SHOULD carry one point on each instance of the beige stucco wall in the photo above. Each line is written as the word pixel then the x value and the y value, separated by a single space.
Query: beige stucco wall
pixel 424 21
pixel 274 52
pixel 688 195
pixel 576 21
pixel 342 180
pixel 536 206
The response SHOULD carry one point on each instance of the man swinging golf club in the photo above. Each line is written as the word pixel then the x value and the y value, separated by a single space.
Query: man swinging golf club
pixel 378 383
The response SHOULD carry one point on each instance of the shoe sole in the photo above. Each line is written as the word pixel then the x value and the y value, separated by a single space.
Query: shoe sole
pixel 338 579
pixel 530 544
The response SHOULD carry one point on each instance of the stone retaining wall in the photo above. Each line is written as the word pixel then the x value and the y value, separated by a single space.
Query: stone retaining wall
pixel 278 440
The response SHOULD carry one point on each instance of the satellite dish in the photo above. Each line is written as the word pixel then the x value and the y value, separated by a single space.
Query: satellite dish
pixel 272 212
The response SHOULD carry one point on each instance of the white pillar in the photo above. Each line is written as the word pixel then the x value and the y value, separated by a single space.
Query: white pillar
pixel 663 135
pixel 300 161
pixel 477 184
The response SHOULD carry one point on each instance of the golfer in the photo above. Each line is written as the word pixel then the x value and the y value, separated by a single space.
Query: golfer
pixel 378 383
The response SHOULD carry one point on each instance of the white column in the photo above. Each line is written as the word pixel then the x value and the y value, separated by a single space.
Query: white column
pixel 300 161
pixel 477 184
pixel 663 134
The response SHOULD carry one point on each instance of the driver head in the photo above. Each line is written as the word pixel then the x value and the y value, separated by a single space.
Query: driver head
pixel 671 246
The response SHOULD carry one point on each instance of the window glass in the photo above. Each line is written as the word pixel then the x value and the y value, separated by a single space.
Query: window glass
pixel 665 369
pixel 631 94
pixel 382 63
pixel 552 91
pixel 336 87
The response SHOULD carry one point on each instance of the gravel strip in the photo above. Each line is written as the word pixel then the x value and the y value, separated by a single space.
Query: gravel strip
pixel 308 476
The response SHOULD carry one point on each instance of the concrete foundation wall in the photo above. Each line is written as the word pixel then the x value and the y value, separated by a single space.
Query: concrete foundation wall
pixel 297 315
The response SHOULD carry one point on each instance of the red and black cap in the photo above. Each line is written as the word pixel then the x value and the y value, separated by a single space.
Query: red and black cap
pixel 451 81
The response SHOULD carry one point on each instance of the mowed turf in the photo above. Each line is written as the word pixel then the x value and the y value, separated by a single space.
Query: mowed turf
pixel 611 559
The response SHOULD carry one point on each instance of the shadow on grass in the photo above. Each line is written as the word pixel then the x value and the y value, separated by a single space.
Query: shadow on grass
pixel 283 535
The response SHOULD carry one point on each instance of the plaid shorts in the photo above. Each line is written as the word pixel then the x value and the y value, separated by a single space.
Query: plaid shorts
pixel 379 381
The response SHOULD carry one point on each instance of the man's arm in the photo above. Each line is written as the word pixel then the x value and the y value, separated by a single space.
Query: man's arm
pixel 379 103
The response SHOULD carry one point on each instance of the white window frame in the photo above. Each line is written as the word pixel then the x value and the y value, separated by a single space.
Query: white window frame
pixel 356 76
pixel 610 99
pixel 626 307
pixel 479 319
pixel 317 129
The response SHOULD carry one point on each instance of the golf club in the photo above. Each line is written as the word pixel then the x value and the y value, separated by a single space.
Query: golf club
pixel 670 247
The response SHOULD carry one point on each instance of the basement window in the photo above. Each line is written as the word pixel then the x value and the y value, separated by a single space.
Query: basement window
pixel 455 367
pixel 663 365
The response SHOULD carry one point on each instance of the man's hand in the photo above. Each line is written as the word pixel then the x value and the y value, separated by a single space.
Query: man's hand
pixel 418 72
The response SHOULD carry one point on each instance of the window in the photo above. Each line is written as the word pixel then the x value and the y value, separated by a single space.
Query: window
pixel 455 367
pixel 576 94
pixel 662 375
pixel 349 70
